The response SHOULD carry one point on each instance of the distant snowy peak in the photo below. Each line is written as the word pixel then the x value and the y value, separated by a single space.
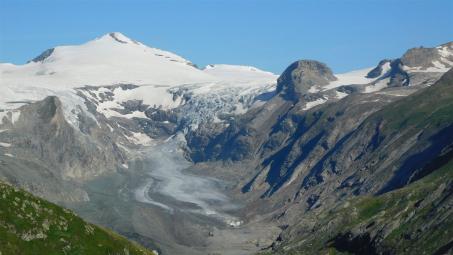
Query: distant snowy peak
pixel 239 72
pixel 116 59
pixel 235 68
pixel 107 60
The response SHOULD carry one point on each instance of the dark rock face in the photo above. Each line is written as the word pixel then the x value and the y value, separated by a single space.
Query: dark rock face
pixel 51 152
pixel 398 77
pixel 114 36
pixel 47 53
pixel 360 244
pixel 135 105
pixel 241 139
pixel 377 71
pixel 301 75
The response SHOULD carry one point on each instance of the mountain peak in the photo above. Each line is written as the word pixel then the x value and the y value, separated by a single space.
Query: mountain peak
pixel 117 37
pixel 109 59
pixel 301 75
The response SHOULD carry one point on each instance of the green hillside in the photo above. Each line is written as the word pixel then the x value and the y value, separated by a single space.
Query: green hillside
pixel 29 225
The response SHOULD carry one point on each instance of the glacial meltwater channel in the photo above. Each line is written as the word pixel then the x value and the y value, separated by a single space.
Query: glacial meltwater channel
pixel 171 188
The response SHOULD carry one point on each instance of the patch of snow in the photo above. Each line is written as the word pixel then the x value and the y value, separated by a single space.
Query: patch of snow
pixel 12 115
pixel 135 114
pixel 140 139
pixel 446 53
pixel 110 127
pixel 9 155
pixel 312 104
pixel 436 69
pixel 234 223
pixel 5 144
pixel 350 78
pixel 378 86
pixel 341 95
pixel 314 89
pixel 15 116
pixel 238 72
pixel 385 68
pixel 394 93
pixel 439 65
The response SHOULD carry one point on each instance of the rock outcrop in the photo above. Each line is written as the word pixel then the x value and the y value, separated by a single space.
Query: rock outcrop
pixel 301 75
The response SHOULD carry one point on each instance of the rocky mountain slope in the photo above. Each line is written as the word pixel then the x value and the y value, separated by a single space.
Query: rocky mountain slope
pixel 294 128
pixel 306 84
pixel 30 225
pixel 409 196
pixel 309 160
pixel 413 220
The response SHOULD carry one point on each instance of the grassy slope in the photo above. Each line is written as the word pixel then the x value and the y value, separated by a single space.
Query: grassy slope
pixel 29 225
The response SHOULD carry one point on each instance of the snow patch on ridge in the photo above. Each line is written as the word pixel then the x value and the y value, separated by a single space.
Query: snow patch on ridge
pixel 350 78
pixel 314 103
pixel 238 72
pixel 5 145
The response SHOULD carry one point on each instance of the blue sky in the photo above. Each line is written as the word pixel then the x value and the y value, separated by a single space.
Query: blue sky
pixel 345 34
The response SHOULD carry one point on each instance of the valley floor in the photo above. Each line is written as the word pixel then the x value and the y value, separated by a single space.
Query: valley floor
pixel 183 213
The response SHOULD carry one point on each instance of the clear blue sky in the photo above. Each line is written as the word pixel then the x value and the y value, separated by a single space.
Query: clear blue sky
pixel 345 34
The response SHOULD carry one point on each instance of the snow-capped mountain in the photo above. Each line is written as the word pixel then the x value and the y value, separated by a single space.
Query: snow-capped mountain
pixel 161 80
pixel 84 111
pixel 110 59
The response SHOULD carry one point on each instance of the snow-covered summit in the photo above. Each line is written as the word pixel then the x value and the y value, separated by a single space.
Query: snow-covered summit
pixel 109 59
pixel 116 59
pixel 118 37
